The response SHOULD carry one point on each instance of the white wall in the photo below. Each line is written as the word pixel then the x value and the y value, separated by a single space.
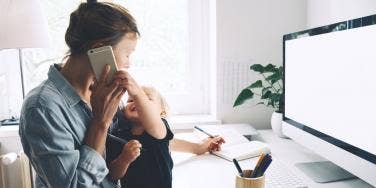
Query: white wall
pixel 324 12
pixel 10 84
pixel 248 32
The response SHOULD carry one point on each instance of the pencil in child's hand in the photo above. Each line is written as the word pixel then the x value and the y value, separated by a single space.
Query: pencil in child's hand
pixel 198 128
pixel 120 140
pixel 117 138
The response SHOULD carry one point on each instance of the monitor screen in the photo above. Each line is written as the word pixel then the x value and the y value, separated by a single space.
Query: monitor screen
pixel 330 84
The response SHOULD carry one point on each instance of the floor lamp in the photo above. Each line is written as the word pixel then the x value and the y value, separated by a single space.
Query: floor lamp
pixel 23 25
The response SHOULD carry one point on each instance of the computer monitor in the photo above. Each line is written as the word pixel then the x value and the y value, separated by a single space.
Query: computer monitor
pixel 330 93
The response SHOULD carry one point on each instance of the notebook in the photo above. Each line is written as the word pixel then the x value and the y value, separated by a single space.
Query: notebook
pixel 236 146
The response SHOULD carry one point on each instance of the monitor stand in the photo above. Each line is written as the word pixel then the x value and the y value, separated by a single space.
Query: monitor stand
pixel 324 171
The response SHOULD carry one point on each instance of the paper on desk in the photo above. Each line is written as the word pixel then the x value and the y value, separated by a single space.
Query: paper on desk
pixel 236 145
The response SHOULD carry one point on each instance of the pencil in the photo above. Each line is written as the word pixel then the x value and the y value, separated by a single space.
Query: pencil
pixel 120 140
pixel 117 139
pixel 238 167
pixel 265 166
pixel 267 158
pixel 258 164
pixel 198 128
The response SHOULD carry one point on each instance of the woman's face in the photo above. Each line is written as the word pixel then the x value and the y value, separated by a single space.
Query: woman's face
pixel 124 49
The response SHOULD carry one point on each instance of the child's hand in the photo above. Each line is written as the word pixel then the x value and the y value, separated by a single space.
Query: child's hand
pixel 209 145
pixel 127 82
pixel 131 151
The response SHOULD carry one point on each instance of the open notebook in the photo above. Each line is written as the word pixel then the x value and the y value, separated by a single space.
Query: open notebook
pixel 236 146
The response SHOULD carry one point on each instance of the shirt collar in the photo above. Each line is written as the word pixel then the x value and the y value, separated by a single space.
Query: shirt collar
pixel 64 87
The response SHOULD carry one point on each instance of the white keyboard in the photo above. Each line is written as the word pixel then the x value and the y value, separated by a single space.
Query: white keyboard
pixel 279 176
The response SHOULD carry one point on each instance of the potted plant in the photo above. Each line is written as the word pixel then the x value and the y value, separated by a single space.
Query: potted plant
pixel 269 90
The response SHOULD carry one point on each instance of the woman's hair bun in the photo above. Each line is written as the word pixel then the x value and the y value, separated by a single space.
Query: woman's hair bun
pixel 92 1
pixel 97 22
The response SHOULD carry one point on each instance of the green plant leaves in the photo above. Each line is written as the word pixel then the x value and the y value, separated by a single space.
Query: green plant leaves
pixel 274 77
pixel 270 68
pixel 264 69
pixel 266 94
pixel 244 95
pixel 275 97
pixel 256 84
pixel 271 92
pixel 257 68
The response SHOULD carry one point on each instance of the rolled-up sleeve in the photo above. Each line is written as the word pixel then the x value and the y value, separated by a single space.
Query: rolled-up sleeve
pixel 93 163
pixel 56 157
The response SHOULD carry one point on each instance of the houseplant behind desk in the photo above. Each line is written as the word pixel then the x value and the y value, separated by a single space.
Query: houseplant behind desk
pixel 269 90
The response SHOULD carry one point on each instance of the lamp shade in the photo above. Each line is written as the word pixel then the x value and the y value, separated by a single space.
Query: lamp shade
pixel 23 25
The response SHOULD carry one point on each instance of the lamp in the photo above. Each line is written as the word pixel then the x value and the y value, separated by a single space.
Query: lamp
pixel 23 25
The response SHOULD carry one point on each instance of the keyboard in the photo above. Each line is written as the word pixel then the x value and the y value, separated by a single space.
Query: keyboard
pixel 279 176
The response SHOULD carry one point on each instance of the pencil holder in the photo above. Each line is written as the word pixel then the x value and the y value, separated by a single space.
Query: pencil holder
pixel 247 182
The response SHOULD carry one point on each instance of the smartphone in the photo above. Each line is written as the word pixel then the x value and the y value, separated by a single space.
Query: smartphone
pixel 99 57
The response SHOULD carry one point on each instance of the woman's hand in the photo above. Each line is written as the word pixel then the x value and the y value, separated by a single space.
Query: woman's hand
pixel 209 145
pixel 105 99
pixel 130 151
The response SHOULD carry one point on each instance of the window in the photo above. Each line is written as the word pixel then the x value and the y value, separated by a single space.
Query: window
pixel 174 53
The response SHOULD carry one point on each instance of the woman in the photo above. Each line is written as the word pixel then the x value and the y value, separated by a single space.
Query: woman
pixel 64 121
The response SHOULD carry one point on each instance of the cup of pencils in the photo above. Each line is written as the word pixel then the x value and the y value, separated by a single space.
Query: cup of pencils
pixel 246 181
pixel 253 178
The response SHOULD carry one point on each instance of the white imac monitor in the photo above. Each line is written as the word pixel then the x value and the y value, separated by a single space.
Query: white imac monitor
pixel 330 93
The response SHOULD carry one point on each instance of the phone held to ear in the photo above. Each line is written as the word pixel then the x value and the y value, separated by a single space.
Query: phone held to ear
pixel 101 56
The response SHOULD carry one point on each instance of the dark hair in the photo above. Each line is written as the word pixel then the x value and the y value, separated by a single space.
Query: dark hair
pixel 95 22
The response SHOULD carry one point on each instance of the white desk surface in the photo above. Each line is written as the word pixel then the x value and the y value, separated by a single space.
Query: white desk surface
pixel 207 170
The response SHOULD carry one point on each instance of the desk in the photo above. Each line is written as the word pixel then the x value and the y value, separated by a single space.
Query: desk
pixel 209 171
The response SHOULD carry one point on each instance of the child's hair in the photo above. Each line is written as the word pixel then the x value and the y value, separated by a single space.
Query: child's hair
pixel 152 91
pixel 98 22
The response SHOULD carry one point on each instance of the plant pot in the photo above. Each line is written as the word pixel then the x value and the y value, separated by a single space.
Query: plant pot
pixel 276 123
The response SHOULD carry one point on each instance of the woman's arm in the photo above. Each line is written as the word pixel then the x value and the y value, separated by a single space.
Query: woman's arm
pixel 51 148
pixel 104 101
pixel 207 145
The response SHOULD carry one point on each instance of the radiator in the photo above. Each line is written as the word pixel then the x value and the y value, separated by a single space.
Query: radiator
pixel 18 163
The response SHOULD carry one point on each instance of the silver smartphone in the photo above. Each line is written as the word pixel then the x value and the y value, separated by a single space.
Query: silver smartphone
pixel 101 56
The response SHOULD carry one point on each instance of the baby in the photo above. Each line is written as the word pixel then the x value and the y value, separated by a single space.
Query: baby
pixel 147 157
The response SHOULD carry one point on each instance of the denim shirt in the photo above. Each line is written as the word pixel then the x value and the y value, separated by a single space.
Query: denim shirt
pixel 53 124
